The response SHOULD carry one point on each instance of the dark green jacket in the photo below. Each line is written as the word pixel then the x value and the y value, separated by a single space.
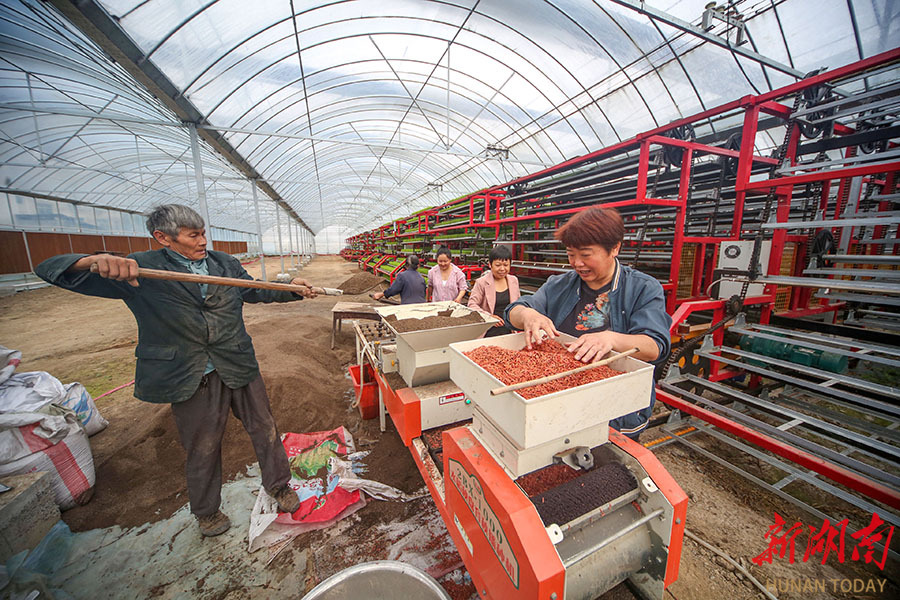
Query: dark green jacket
pixel 177 328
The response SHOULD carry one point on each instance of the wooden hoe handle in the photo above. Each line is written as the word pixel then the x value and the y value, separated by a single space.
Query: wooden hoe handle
pixel 231 281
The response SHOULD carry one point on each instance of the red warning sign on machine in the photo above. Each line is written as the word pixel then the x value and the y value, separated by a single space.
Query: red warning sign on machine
pixel 449 398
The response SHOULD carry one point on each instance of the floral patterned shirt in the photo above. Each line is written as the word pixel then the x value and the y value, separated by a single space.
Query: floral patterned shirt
pixel 591 314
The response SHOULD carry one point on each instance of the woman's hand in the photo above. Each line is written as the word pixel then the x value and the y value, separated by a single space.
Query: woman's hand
pixel 378 295
pixel 592 346
pixel 500 322
pixel 534 324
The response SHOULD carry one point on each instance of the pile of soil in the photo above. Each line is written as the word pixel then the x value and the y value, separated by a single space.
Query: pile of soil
pixel 548 358
pixel 360 283
pixel 140 462
pixel 441 320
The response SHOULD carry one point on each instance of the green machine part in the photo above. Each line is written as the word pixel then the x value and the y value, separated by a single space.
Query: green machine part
pixel 809 357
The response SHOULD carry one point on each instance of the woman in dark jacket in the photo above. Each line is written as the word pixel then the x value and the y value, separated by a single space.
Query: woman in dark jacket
pixel 409 284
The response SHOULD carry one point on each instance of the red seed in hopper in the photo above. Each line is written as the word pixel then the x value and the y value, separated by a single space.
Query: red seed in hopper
pixel 548 358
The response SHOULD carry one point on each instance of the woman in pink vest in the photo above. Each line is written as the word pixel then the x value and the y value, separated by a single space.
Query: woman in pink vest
pixel 496 289
pixel 446 281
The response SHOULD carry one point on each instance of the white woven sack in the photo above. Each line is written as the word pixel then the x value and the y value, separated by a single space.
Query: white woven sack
pixel 69 462
pixel 78 399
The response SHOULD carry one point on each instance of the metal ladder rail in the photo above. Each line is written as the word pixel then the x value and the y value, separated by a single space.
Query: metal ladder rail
pixel 670 385
pixel 873 448
pixel 842 398
pixel 854 382
pixel 814 346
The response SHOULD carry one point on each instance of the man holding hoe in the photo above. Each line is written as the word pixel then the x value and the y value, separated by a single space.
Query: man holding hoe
pixel 193 351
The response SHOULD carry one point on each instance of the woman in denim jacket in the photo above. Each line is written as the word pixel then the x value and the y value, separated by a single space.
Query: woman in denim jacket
pixel 606 305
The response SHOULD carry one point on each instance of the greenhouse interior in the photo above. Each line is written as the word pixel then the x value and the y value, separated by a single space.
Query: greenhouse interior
pixel 449 299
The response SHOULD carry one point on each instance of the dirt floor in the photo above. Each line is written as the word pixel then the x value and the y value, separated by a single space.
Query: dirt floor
pixel 139 462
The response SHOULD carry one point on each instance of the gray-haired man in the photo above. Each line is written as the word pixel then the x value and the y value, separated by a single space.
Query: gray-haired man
pixel 193 351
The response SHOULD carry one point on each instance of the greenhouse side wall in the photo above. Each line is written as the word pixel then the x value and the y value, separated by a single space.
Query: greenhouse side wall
pixel 20 251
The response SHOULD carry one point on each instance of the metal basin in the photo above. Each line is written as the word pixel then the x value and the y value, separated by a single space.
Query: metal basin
pixel 379 579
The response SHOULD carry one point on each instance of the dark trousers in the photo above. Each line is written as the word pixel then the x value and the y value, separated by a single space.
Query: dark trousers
pixel 201 423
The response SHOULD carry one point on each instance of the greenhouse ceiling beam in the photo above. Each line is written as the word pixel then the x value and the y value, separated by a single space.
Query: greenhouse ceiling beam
pixel 386 146
pixel 93 20
pixel 214 178
pixel 660 15
pixel 295 136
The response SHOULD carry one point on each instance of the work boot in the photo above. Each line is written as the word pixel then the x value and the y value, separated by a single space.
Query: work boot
pixel 287 499
pixel 214 524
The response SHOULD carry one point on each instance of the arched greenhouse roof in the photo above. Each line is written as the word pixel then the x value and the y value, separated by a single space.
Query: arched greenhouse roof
pixel 350 113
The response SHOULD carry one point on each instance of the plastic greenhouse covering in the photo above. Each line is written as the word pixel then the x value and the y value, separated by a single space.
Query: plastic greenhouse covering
pixel 346 114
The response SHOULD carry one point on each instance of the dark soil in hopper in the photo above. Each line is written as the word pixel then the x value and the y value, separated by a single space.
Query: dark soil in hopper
pixel 360 283
pixel 434 441
pixel 434 438
pixel 443 319
pixel 581 495
pixel 395 381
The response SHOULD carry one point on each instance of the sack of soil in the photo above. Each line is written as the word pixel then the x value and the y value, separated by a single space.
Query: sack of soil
pixel 52 440
pixel 34 390
pixel 78 399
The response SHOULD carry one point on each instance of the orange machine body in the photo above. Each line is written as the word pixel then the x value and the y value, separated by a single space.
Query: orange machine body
pixel 497 530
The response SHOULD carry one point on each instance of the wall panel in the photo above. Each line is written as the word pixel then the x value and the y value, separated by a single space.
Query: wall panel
pixel 13 258
pixel 117 244
pixel 139 244
pixel 44 245
pixel 86 244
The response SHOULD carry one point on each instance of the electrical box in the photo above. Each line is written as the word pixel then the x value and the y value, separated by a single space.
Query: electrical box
pixel 736 256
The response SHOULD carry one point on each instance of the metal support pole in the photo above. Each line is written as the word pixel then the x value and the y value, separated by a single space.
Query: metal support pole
pixel 12 214
pixel 290 237
pixel 297 232
pixel 77 218
pixel 262 254
pixel 198 173
pixel 278 227
pixel 302 243
pixel 299 244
